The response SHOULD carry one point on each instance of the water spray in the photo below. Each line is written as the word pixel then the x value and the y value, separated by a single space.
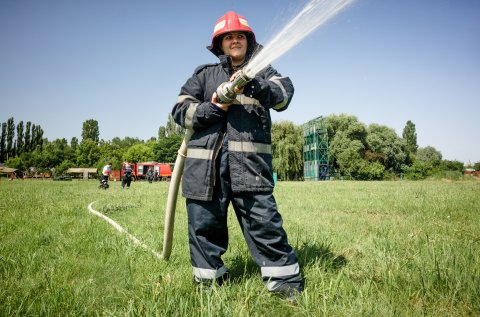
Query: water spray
pixel 314 14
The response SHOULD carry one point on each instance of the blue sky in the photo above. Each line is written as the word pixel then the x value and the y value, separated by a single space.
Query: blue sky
pixel 122 63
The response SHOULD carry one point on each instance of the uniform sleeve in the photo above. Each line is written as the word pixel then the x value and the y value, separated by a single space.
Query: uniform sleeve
pixel 192 110
pixel 271 89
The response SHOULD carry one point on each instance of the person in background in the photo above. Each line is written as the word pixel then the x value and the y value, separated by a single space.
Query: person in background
pixel 229 160
pixel 106 172
pixel 127 175
pixel 150 174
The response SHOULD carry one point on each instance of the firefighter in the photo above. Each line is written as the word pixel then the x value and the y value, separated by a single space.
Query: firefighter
pixel 150 174
pixel 127 175
pixel 229 160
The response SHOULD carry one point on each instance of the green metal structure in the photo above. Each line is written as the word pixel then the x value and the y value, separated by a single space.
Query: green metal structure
pixel 315 150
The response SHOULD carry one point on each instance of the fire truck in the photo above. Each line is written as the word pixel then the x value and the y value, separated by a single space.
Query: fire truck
pixel 160 171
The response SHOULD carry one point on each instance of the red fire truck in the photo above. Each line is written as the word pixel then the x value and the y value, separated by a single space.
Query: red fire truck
pixel 160 171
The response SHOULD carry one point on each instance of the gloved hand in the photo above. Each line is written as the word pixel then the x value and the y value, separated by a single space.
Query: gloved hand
pixel 253 87
pixel 218 104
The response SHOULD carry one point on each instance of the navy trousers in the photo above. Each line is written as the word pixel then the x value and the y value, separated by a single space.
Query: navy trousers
pixel 261 224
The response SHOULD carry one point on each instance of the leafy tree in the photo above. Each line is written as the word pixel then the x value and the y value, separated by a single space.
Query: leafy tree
pixel 88 153
pixel 347 153
pixel 74 144
pixel 16 162
pixel 55 152
pixel 32 161
pixel 37 137
pixel 38 160
pixel 166 149
pixel 162 132
pixel 33 137
pixel 63 167
pixel 124 144
pixel 10 137
pixel 39 140
pixel 20 138
pixel 3 144
pixel 410 136
pixel 363 153
pixel 90 130
pixel 418 170
pixel 354 129
pixel 429 155
pixel 385 143
pixel 139 153
pixel 108 153
pixel 26 160
pixel 28 137
pixel 371 156
pixel 365 170
pixel 117 149
pixel 447 165
pixel 347 143
pixel 287 150
pixel 172 128
pixel 427 162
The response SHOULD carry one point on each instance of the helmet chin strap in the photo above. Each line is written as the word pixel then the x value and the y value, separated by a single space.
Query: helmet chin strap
pixel 237 67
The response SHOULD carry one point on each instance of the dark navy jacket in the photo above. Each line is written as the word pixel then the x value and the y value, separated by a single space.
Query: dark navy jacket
pixel 246 126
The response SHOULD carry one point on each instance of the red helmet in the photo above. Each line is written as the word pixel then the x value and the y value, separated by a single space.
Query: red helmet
pixel 230 22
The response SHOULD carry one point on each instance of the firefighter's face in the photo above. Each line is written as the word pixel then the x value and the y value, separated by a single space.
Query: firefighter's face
pixel 235 45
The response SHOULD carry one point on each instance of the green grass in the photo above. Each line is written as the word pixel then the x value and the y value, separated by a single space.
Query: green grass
pixel 365 248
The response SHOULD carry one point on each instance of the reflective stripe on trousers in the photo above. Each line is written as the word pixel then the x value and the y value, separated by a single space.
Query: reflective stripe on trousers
pixel 208 274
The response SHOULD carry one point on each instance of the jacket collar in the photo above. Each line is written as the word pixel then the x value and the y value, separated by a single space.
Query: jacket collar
pixel 226 60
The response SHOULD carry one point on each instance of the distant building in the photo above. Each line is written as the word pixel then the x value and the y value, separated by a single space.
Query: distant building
pixel 82 172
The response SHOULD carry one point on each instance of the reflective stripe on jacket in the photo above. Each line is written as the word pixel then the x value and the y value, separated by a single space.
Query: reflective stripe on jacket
pixel 247 125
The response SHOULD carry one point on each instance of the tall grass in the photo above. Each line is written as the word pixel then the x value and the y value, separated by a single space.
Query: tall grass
pixel 365 249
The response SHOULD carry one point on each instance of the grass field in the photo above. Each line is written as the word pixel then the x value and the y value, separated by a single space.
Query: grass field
pixel 365 248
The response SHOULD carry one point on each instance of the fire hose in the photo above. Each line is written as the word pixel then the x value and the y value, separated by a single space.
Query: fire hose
pixel 226 94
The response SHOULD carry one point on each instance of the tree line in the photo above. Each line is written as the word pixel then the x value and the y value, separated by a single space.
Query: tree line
pixel 42 155
pixel 355 151
pixel 27 138
pixel 360 152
